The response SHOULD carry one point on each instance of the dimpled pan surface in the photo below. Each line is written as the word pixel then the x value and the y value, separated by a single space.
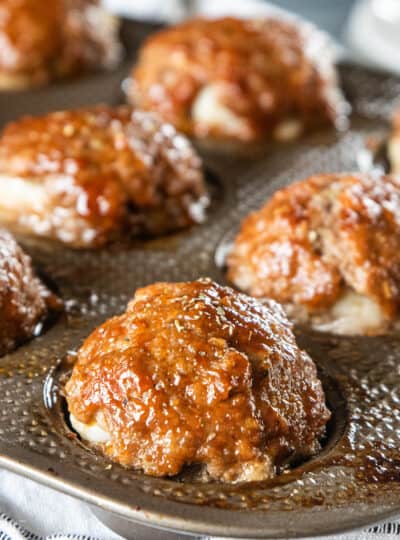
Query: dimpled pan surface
pixel 354 481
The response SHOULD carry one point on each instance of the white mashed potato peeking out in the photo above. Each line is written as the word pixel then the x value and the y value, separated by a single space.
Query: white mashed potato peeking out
pixel 353 314
pixel 210 114
pixel 94 432
pixel 21 193
pixel 208 111
pixel 394 154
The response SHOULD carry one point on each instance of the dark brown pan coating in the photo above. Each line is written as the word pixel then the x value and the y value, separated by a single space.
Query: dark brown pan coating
pixel 86 176
pixel 195 373
pixel 263 69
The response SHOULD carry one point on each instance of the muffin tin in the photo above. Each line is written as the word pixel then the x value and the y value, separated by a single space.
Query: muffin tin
pixel 353 482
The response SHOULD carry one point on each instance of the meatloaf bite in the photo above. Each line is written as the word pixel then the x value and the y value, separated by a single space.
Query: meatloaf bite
pixel 87 176
pixel 196 373
pixel 239 79
pixel 328 249
pixel 24 300
pixel 43 41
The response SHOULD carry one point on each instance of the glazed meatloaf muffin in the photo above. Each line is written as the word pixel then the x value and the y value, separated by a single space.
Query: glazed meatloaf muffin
pixel 328 249
pixel 195 373
pixel 86 176
pixel 24 300
pixel 43 41
pixel 239 79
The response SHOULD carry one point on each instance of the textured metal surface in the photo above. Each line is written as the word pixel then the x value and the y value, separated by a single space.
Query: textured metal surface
pixel 353 482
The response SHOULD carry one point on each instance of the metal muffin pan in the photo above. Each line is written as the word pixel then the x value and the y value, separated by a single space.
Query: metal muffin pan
pixel 355 480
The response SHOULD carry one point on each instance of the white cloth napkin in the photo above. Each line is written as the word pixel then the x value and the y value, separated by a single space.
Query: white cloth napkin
pixel 30 511
pixel 44 512
pixel 34 512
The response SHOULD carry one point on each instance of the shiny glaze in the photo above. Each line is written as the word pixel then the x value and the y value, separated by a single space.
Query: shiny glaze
pixel 24 299
pixel 263 68
pixel 102 170
pixel 325 491
pixel 195 373
pixel 40 41
pixel 318 236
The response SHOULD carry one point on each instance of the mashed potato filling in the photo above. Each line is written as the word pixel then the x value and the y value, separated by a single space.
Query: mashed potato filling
pixel 394 154
pixel 288 130
pixel 208 110
pixel 93 432
pixel 353 314
pixel 19 194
